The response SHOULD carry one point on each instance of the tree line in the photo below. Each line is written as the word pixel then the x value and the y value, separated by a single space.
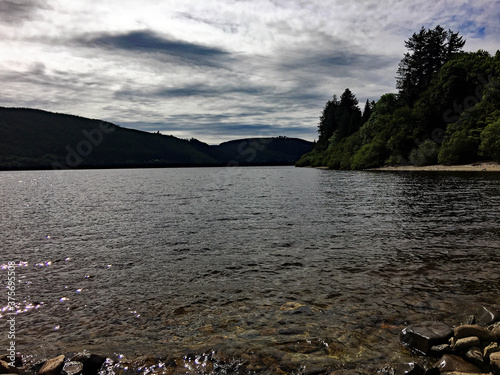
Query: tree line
pixel 446 110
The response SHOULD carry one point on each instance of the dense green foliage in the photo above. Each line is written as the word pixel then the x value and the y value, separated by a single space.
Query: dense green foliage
pixel 447 112
pixel 34 139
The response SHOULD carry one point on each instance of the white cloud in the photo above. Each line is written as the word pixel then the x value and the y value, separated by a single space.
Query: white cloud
pixel 216 69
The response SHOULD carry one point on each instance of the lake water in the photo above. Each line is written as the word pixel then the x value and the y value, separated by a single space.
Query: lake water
pixel 234 270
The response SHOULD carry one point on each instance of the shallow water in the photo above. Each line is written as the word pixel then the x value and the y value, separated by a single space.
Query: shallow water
pixel 264 269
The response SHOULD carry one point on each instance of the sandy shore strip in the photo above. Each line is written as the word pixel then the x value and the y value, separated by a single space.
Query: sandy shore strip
pixel 474 167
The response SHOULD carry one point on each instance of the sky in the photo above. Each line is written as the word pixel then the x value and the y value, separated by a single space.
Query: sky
pixel 216 70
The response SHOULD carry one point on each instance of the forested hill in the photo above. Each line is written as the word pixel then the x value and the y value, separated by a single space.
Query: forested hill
pixel 447 111
pixel 36 139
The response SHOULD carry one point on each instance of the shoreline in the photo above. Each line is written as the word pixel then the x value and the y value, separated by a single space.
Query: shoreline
pixel 472 167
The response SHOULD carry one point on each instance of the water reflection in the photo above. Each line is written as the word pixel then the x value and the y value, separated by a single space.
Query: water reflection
pixel 259 268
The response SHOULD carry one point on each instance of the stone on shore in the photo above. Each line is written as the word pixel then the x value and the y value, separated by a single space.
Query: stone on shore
pixel 484 334
pixel 495 362
pixel 5 368
pixel 53 366
pixel 467 342
pixel 73 368
pixel 496 331
pixel 475 356
pixel 91 363
pixel 492 348
pixel 452 363
pixel 420 338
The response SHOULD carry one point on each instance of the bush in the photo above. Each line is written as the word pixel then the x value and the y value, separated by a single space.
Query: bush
pixel 460 148
pixel 490 141
pixel 426 154
pixel 370 155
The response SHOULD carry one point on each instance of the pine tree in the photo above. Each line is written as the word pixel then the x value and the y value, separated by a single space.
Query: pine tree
pixel 429 50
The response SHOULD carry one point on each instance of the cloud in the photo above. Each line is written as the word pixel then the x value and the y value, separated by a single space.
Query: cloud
pixel 147 41
pixel 216 69
pixel 18 11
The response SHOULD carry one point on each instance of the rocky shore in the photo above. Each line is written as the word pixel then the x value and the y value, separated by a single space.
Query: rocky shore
pixel 469 348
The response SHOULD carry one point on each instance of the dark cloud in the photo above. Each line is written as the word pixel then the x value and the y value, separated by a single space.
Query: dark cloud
pixel 200 90
pixel 337 64
pixel 17 11
pixel 149 42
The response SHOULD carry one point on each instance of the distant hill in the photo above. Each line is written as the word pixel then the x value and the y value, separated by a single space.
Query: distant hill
pixel 36 139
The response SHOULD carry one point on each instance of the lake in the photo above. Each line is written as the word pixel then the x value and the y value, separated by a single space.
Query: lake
pixel 243 270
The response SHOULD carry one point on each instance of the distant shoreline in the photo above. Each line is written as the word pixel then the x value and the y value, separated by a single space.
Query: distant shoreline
pixel 473 167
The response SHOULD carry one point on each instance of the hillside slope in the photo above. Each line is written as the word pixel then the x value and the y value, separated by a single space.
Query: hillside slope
pixel 36 139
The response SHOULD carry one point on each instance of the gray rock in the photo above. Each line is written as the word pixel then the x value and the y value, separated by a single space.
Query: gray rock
pixel 450 363
pixel 488 316
pixel 420 338
pixel 53 366
pixel 467 342
pixel 484 334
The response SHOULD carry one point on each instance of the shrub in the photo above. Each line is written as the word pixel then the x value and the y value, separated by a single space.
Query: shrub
pixel 490 141
pixel 426 154
pixel 460 148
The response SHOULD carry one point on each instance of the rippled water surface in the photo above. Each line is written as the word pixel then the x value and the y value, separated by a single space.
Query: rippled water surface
pixel 262 269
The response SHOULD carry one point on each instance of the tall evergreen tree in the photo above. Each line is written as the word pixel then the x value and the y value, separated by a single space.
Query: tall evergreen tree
pixel 428 51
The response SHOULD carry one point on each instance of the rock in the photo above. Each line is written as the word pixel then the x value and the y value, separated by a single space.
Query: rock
pixel 495 362
pixel 484 334
pixel 439 350
pixel 18 361
pixel 91 363
pixel 475 356
pixel 450 363
pixel 496 331
pixel 488 316
pixel 5 368
pixel 53 366
pixel 291 331
pixel 306 310
pixel 467 342
pixel 420 338
pixel 73 367
pixel 406 369
pixel 492 348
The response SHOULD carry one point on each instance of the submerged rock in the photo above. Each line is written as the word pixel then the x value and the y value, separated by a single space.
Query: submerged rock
pixel 420 338
pixel 488 316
